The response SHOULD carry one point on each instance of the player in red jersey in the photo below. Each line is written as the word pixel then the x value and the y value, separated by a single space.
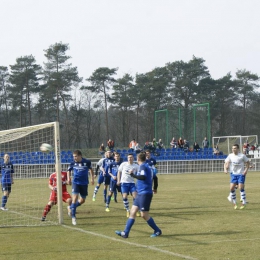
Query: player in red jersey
pixel 53 196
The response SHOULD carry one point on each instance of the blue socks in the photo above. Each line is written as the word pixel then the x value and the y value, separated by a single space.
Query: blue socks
pixel 4 200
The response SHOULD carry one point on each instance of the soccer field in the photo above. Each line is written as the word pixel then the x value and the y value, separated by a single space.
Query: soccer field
pixel 192 210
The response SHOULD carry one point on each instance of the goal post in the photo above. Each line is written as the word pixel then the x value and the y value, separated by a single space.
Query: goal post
pixel 32 168
pixel 225 143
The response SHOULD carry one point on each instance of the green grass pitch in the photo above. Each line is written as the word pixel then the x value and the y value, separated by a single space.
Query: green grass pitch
pixel 192 210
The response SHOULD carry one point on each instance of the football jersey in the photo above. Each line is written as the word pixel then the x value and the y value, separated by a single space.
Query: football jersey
pixel 113 169
pixel 237 165
pixel 53 180
pixel 125 168
pixel 80 171
pixel 7 169
pixel 106 164
pixel 100 163
pixel 152 163
pixel 145 186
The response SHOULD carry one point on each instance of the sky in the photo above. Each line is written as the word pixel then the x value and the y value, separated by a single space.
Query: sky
pixel 134 36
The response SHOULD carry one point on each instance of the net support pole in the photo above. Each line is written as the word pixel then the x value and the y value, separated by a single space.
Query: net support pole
pixel 58 171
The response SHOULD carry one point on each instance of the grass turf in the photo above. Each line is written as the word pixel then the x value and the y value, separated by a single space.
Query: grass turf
pixel 192 210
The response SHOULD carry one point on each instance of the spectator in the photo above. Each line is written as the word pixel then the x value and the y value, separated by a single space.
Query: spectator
pixel 186 146
pixel 102 149
pixel 138 148
pixel 173 143
pixel 146 146
pixel 132 145
pixel 205 143
pixel 154 143
pixel 252 148
pixel 180 143
pixel 245 148
pixel 196 147
pixel 160 144
pixel 216 150
pixel 149 146
pixel 110 144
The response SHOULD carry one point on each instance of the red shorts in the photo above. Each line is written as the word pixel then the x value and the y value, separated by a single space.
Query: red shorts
pixel 65 196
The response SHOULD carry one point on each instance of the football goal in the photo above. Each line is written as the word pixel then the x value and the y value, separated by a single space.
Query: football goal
pixel 32 168
pixel 225 143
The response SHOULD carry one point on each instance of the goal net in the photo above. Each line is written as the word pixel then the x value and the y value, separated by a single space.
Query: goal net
pixel 32 168
pixel 225 143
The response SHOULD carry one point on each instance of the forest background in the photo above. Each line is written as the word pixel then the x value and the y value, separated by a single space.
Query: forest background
pixel 94 108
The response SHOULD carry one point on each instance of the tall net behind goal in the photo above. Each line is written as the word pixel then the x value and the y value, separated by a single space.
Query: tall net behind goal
pixel 32 168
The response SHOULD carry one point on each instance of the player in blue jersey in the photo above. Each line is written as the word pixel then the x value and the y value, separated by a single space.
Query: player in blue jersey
pixel 127 182
pixel 7 171
pixel 143 199
pixel 99 170
pixel 153 165
pixel 113 187
pixel 239 165
pixel 80 168
pixel 105 167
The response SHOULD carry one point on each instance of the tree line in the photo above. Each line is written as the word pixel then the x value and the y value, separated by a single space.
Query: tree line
pixel 93 109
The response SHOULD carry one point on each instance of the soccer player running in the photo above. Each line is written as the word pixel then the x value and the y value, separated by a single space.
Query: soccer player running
pixel 100 178
pixel 153 165
pixel 235 163
pixel 80 168
pixel 7 171
pixel 113 187
pixel 53 196
pixel 127 181
pixel 109 159
pixel 143 199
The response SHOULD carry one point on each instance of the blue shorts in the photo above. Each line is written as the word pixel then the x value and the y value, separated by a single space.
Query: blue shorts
pixel 100 178
pixel 128 188
pixel 7 187
pixel 237 178
pixel 143 201
pixel 82 190
pixel 107 180
pixel 113 187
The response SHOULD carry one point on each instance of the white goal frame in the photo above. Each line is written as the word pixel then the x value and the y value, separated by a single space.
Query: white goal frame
pixel 12 135
pixel 240 141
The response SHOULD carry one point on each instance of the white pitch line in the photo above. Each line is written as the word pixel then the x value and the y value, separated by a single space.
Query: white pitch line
pixel 131 243
pixel 210 242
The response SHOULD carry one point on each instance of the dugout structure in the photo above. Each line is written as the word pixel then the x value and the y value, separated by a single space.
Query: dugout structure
pixel 225 143
pixel 30 192
pixel 192 124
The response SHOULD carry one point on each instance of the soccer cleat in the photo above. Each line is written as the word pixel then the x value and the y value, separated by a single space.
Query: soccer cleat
pixel 241 200
pixel 138 214
pixel 230 199
pixel 74 221
pixel 112 198
pixel 43 218
pixel 69 211
pixel 127 213
pixel 121 234
pixel 107 209
pixel 4 209
pixel 235 206
pixel 156 234
pixel 115 200
pixel 93 198
pixel 243 206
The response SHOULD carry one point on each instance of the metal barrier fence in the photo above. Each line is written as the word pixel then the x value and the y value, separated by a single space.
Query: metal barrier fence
pixel 24 171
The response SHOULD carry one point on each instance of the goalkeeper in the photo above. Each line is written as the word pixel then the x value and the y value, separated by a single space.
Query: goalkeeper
pixel 53 196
